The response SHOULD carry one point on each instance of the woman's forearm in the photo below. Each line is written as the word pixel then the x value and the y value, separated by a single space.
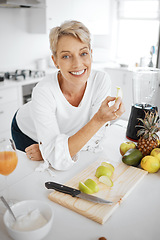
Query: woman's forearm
pixel 104 114
pixel 79 139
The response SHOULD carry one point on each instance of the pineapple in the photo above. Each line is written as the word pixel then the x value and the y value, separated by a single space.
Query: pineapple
pixel 148 139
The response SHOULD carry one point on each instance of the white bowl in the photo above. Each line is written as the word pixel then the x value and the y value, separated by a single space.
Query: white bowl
pixel 24 207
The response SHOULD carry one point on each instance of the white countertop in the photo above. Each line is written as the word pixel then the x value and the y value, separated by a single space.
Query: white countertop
pixel 137 218
pixel 7 83
pixel 113 66
pixel 13 83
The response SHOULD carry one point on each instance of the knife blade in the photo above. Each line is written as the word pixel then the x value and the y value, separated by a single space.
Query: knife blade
pixel 75 192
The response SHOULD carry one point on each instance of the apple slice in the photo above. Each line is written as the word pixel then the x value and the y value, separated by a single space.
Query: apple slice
pixel 119 93
pixel 106 180
pixel 92 185
pixel 109 165
pixel 83 188
pixel 103 171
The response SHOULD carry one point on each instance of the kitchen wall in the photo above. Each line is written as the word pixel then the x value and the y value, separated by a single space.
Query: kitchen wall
pixel 21 49
pixel 18 48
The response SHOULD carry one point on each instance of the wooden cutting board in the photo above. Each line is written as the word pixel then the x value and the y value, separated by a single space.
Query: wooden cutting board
pixel 125 178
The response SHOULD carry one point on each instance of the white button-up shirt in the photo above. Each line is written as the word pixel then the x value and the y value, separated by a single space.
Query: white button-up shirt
pixel 50 119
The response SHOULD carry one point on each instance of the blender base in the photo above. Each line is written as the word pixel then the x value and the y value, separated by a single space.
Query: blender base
pixel 137 111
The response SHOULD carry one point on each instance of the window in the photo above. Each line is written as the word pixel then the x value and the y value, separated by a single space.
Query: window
pixel 138 30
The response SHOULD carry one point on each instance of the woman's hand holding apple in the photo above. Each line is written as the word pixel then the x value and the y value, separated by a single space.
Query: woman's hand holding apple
pixel 107 113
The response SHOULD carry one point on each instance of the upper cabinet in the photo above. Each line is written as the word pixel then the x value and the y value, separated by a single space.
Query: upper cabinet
pixel 94 14
pixel 37 20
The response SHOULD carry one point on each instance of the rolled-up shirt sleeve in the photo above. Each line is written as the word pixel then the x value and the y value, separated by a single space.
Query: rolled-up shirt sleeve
pixel 53 144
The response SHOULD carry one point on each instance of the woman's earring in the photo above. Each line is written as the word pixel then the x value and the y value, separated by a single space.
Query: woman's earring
pixel 57 66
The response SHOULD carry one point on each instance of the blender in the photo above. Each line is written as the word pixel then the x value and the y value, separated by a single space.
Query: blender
pixel 145 84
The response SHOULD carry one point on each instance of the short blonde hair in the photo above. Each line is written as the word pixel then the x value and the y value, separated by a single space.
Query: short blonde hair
pixel 72 28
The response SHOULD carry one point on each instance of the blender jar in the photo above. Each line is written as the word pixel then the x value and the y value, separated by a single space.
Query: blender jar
pixel 145 91
pixel 145 87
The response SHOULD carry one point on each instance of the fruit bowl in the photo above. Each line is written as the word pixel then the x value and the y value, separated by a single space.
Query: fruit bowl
pixel 41 211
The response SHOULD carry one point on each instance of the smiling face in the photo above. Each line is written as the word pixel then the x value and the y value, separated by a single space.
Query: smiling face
pixel 74 60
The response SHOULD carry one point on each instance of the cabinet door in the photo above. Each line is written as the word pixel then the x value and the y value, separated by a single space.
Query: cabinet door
pixel 123 79
pixel 157 100
pixel 94 14
pixel 58 11
pixel 8 95
pixel 36 21
pixel 7 112
pixel 8 106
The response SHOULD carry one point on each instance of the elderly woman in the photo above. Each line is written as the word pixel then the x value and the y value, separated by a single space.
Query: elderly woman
pixel 69 108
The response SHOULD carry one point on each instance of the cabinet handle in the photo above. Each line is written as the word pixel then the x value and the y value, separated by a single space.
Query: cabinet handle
pixel 1 112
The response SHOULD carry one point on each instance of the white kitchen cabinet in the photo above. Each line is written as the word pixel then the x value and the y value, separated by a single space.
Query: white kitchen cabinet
pixel 94 14
pixel 158 98
pixel 57 12
pixel 123 79
pixel 8 106
pixel 37 21
pixel 12 95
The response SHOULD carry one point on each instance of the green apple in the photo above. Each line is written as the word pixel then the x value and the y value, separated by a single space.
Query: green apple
pixel 106 180
pixel 83 188
pixel 103 171
pixel 92 185
pixel 109 165
pixel 125 146
pixel 156 153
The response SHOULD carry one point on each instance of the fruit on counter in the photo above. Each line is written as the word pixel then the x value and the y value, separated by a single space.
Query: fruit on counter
pixel 156 153
pixel 119 93
pixel 109 165
pixel 150 164
pixel 83 188
pixel 89 186
pixel 148 139
pixel 103 171
pixel 125 146
pixel 102 238
pixel 132 157
pixel 92 185
pixel 106 180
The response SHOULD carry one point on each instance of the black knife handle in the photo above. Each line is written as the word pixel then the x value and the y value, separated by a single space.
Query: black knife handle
pixel 62 188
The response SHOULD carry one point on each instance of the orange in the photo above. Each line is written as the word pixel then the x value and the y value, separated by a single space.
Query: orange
pixel 8 162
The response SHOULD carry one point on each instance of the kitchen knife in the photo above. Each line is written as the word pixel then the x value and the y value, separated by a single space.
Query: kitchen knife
pixel 75 192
